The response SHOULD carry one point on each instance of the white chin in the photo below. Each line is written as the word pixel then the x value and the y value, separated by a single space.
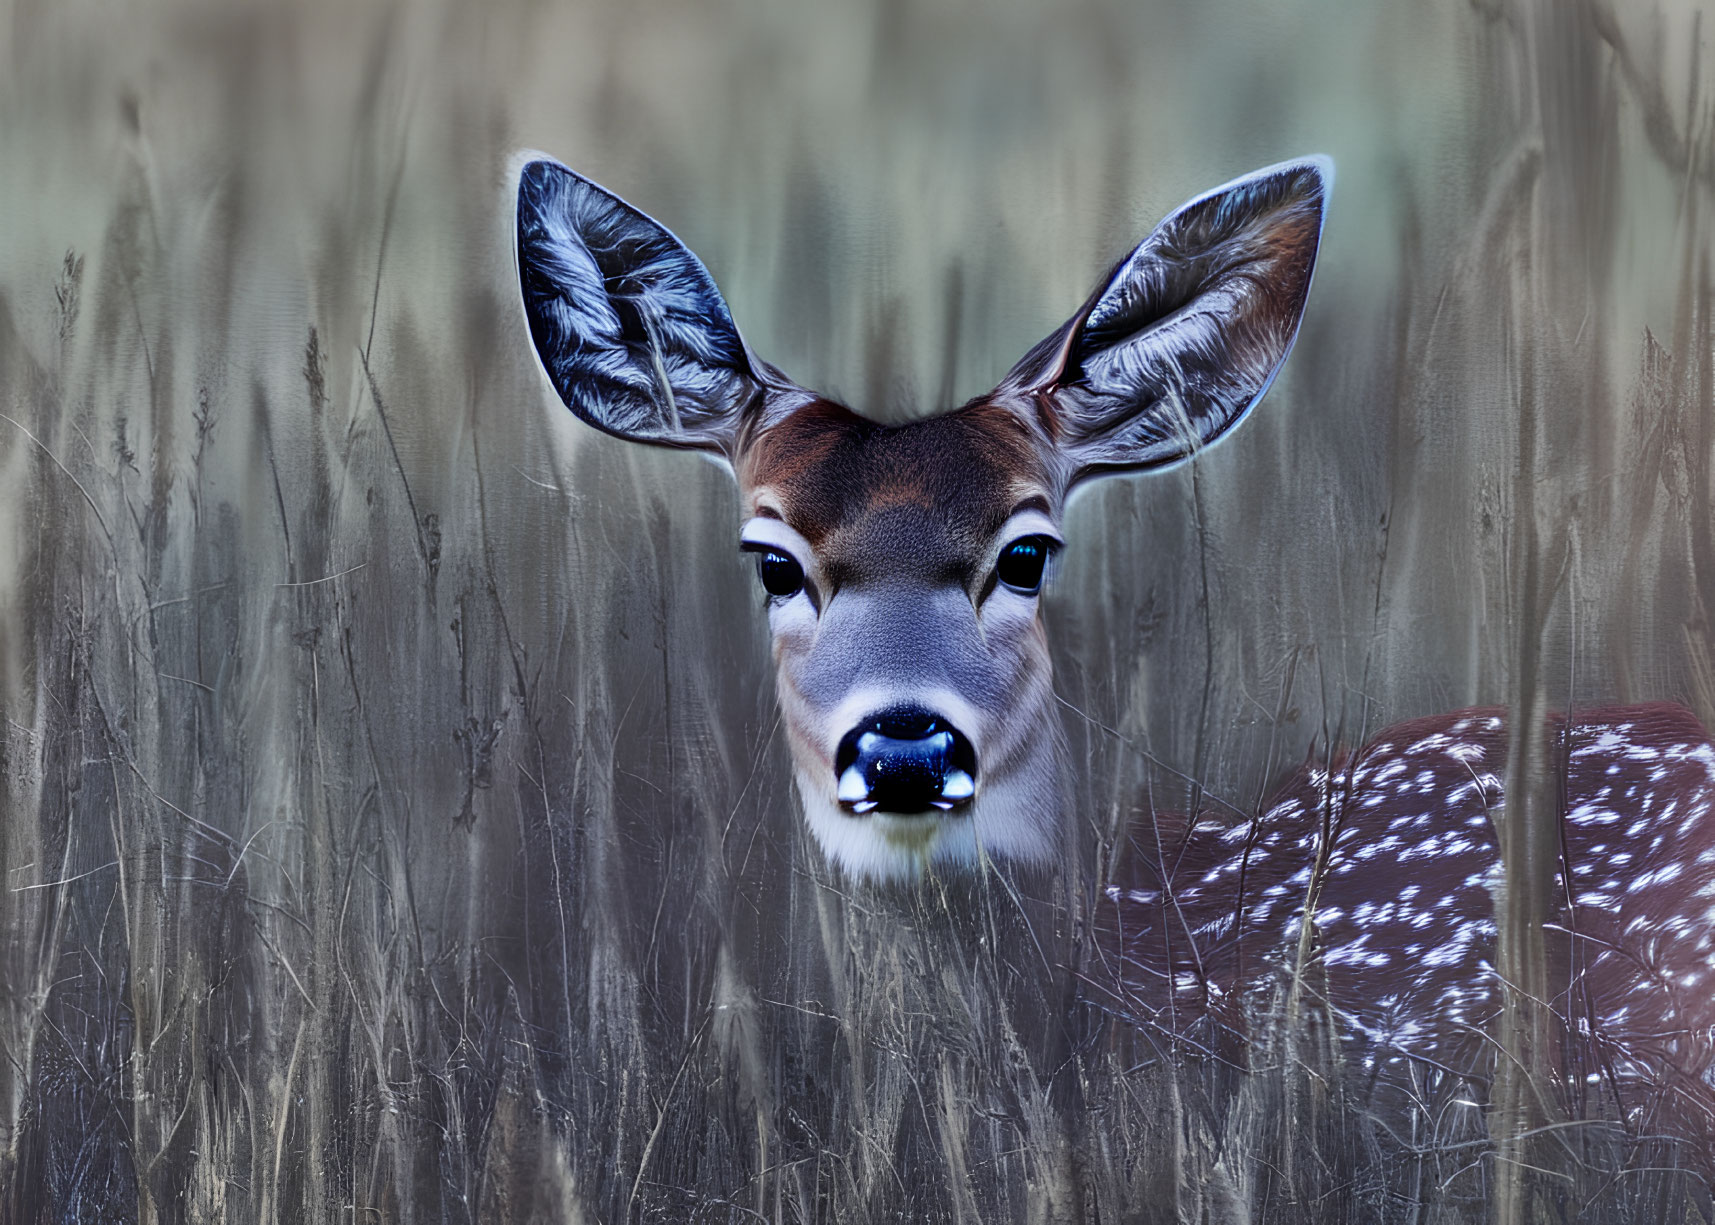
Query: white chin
pixel 1012 823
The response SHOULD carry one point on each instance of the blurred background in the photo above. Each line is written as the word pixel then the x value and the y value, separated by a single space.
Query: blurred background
pixel 396 820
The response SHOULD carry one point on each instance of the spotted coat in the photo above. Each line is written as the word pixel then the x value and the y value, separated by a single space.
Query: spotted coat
pixel 1397 845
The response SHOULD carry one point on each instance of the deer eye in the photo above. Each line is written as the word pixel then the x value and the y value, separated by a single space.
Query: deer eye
pixel 1021 562
pixel 780 575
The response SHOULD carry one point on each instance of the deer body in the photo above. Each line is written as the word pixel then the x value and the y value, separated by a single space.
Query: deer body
pixel 902 567
pixel 1394 854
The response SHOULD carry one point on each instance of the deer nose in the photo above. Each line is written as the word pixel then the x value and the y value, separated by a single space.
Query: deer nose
pixel 905 760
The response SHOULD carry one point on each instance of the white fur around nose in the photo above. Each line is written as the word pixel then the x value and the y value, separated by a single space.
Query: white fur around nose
pixel 1014 821
pixel 983 669
pixel 1013 814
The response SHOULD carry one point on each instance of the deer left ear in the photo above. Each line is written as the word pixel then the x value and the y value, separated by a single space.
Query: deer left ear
pixel 627 322
pixel 1188 332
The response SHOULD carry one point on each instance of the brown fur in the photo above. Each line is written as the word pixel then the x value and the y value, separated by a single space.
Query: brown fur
pixel 926 497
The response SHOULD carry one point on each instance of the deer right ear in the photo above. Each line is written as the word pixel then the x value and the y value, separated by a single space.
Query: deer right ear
pixel 1188 332
pixel 627 322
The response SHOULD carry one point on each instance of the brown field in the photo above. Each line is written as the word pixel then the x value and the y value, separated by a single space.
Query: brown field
pixel 396 825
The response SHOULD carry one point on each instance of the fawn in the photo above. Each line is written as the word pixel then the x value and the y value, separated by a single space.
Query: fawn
pixel 903 567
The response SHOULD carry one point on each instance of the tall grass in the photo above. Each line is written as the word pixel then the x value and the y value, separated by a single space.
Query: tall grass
pixel 396 821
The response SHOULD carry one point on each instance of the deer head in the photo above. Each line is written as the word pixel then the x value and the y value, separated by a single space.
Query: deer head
pixel 903 565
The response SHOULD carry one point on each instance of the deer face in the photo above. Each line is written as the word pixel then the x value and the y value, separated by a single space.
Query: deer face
pixel 903 565
pixel 903 568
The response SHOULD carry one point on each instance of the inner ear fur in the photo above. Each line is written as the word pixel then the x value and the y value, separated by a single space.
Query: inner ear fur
pixel 628 323
pixel 1188 332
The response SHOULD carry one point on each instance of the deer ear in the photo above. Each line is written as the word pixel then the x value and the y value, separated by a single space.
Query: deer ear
pixel 627 322
pixel 1190 329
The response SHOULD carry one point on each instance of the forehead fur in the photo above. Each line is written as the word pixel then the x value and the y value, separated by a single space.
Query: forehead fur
pixel 928 493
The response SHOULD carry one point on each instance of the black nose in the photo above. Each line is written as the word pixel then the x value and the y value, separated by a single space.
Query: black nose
pixel 905 760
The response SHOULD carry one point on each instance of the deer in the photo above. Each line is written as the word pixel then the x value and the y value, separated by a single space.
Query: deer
pixel 902 568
